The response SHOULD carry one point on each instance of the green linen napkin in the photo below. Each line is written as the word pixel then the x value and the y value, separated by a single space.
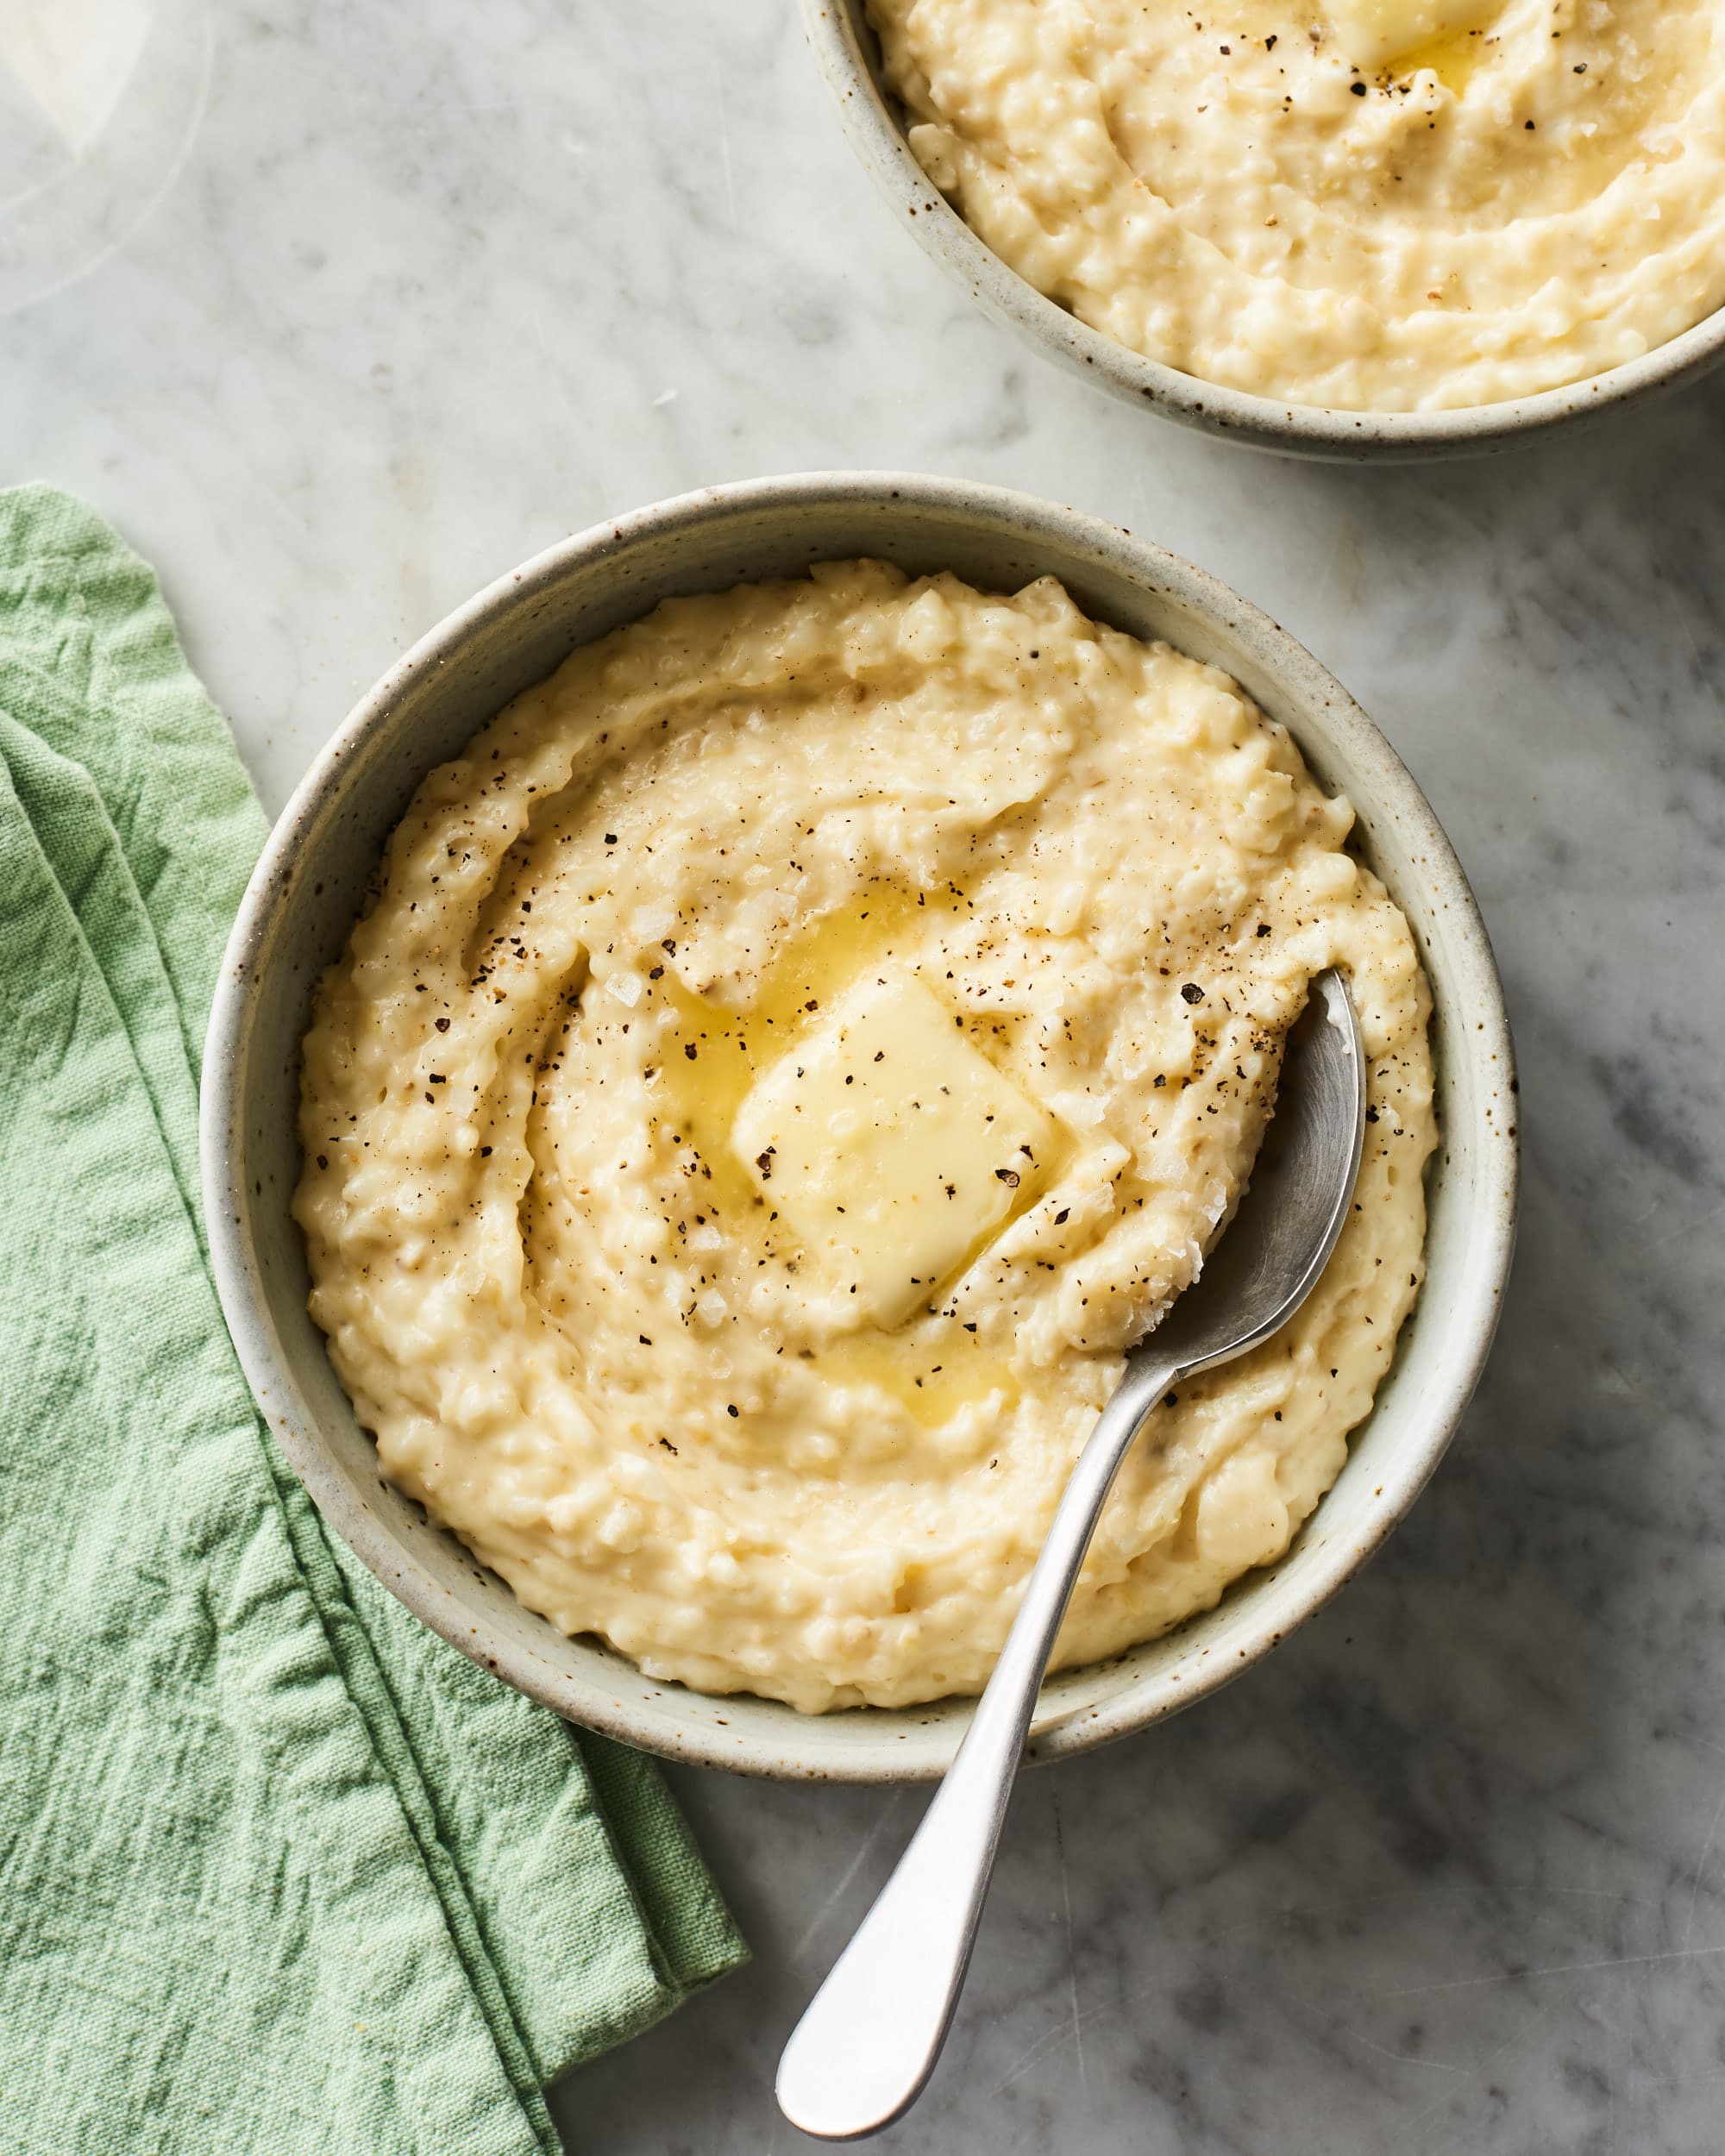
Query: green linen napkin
pixel 279 1871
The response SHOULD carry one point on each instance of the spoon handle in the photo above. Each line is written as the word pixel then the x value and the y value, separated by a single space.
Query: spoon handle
pixel 872 2034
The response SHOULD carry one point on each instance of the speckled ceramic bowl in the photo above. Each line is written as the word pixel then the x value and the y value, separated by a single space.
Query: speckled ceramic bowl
pixel 848 54
pixel 309 887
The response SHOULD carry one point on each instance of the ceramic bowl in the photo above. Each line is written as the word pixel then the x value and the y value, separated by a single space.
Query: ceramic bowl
pixel 311 883
pixel 848 54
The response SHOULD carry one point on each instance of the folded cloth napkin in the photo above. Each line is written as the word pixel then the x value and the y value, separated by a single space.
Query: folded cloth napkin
pixel 279 1871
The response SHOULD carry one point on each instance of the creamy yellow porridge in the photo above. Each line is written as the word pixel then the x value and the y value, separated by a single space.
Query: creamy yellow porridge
pixel 1388 205
pixel 787 1058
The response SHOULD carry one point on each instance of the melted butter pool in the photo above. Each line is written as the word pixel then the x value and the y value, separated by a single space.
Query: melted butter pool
pixel 931 1365
pixel 1455 58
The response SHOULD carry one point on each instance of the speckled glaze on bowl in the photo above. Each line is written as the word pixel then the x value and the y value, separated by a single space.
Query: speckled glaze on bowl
pixel 309 887
pixel 848 54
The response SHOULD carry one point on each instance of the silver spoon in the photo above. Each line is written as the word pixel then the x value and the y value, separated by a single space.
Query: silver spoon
pixel 862 2054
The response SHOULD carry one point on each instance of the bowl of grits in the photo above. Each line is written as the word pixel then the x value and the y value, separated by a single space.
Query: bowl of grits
pixel 739 1030
pixel 1384 229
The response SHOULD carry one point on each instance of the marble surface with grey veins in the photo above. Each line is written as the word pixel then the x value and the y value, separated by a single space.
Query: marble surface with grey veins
pixel 338 312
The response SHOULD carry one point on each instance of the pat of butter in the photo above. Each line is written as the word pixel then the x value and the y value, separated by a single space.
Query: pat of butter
pixel 892 1147
pixel 1376 32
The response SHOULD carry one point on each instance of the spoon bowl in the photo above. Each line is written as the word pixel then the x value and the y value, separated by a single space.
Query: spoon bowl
pixel 1267 1258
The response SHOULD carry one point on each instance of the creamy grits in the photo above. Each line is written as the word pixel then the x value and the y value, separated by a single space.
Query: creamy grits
pixel 1383 205
pixel 784 1062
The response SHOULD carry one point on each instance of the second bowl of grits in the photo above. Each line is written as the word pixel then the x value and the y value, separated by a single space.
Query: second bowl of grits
pixel 756 1073
pixel 1371 228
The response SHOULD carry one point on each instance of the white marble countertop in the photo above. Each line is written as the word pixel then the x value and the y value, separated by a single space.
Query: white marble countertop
pixel 338 312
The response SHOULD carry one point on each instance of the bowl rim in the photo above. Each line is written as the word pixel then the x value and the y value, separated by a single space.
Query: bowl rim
pixel 1298 1585
pixel 867 111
